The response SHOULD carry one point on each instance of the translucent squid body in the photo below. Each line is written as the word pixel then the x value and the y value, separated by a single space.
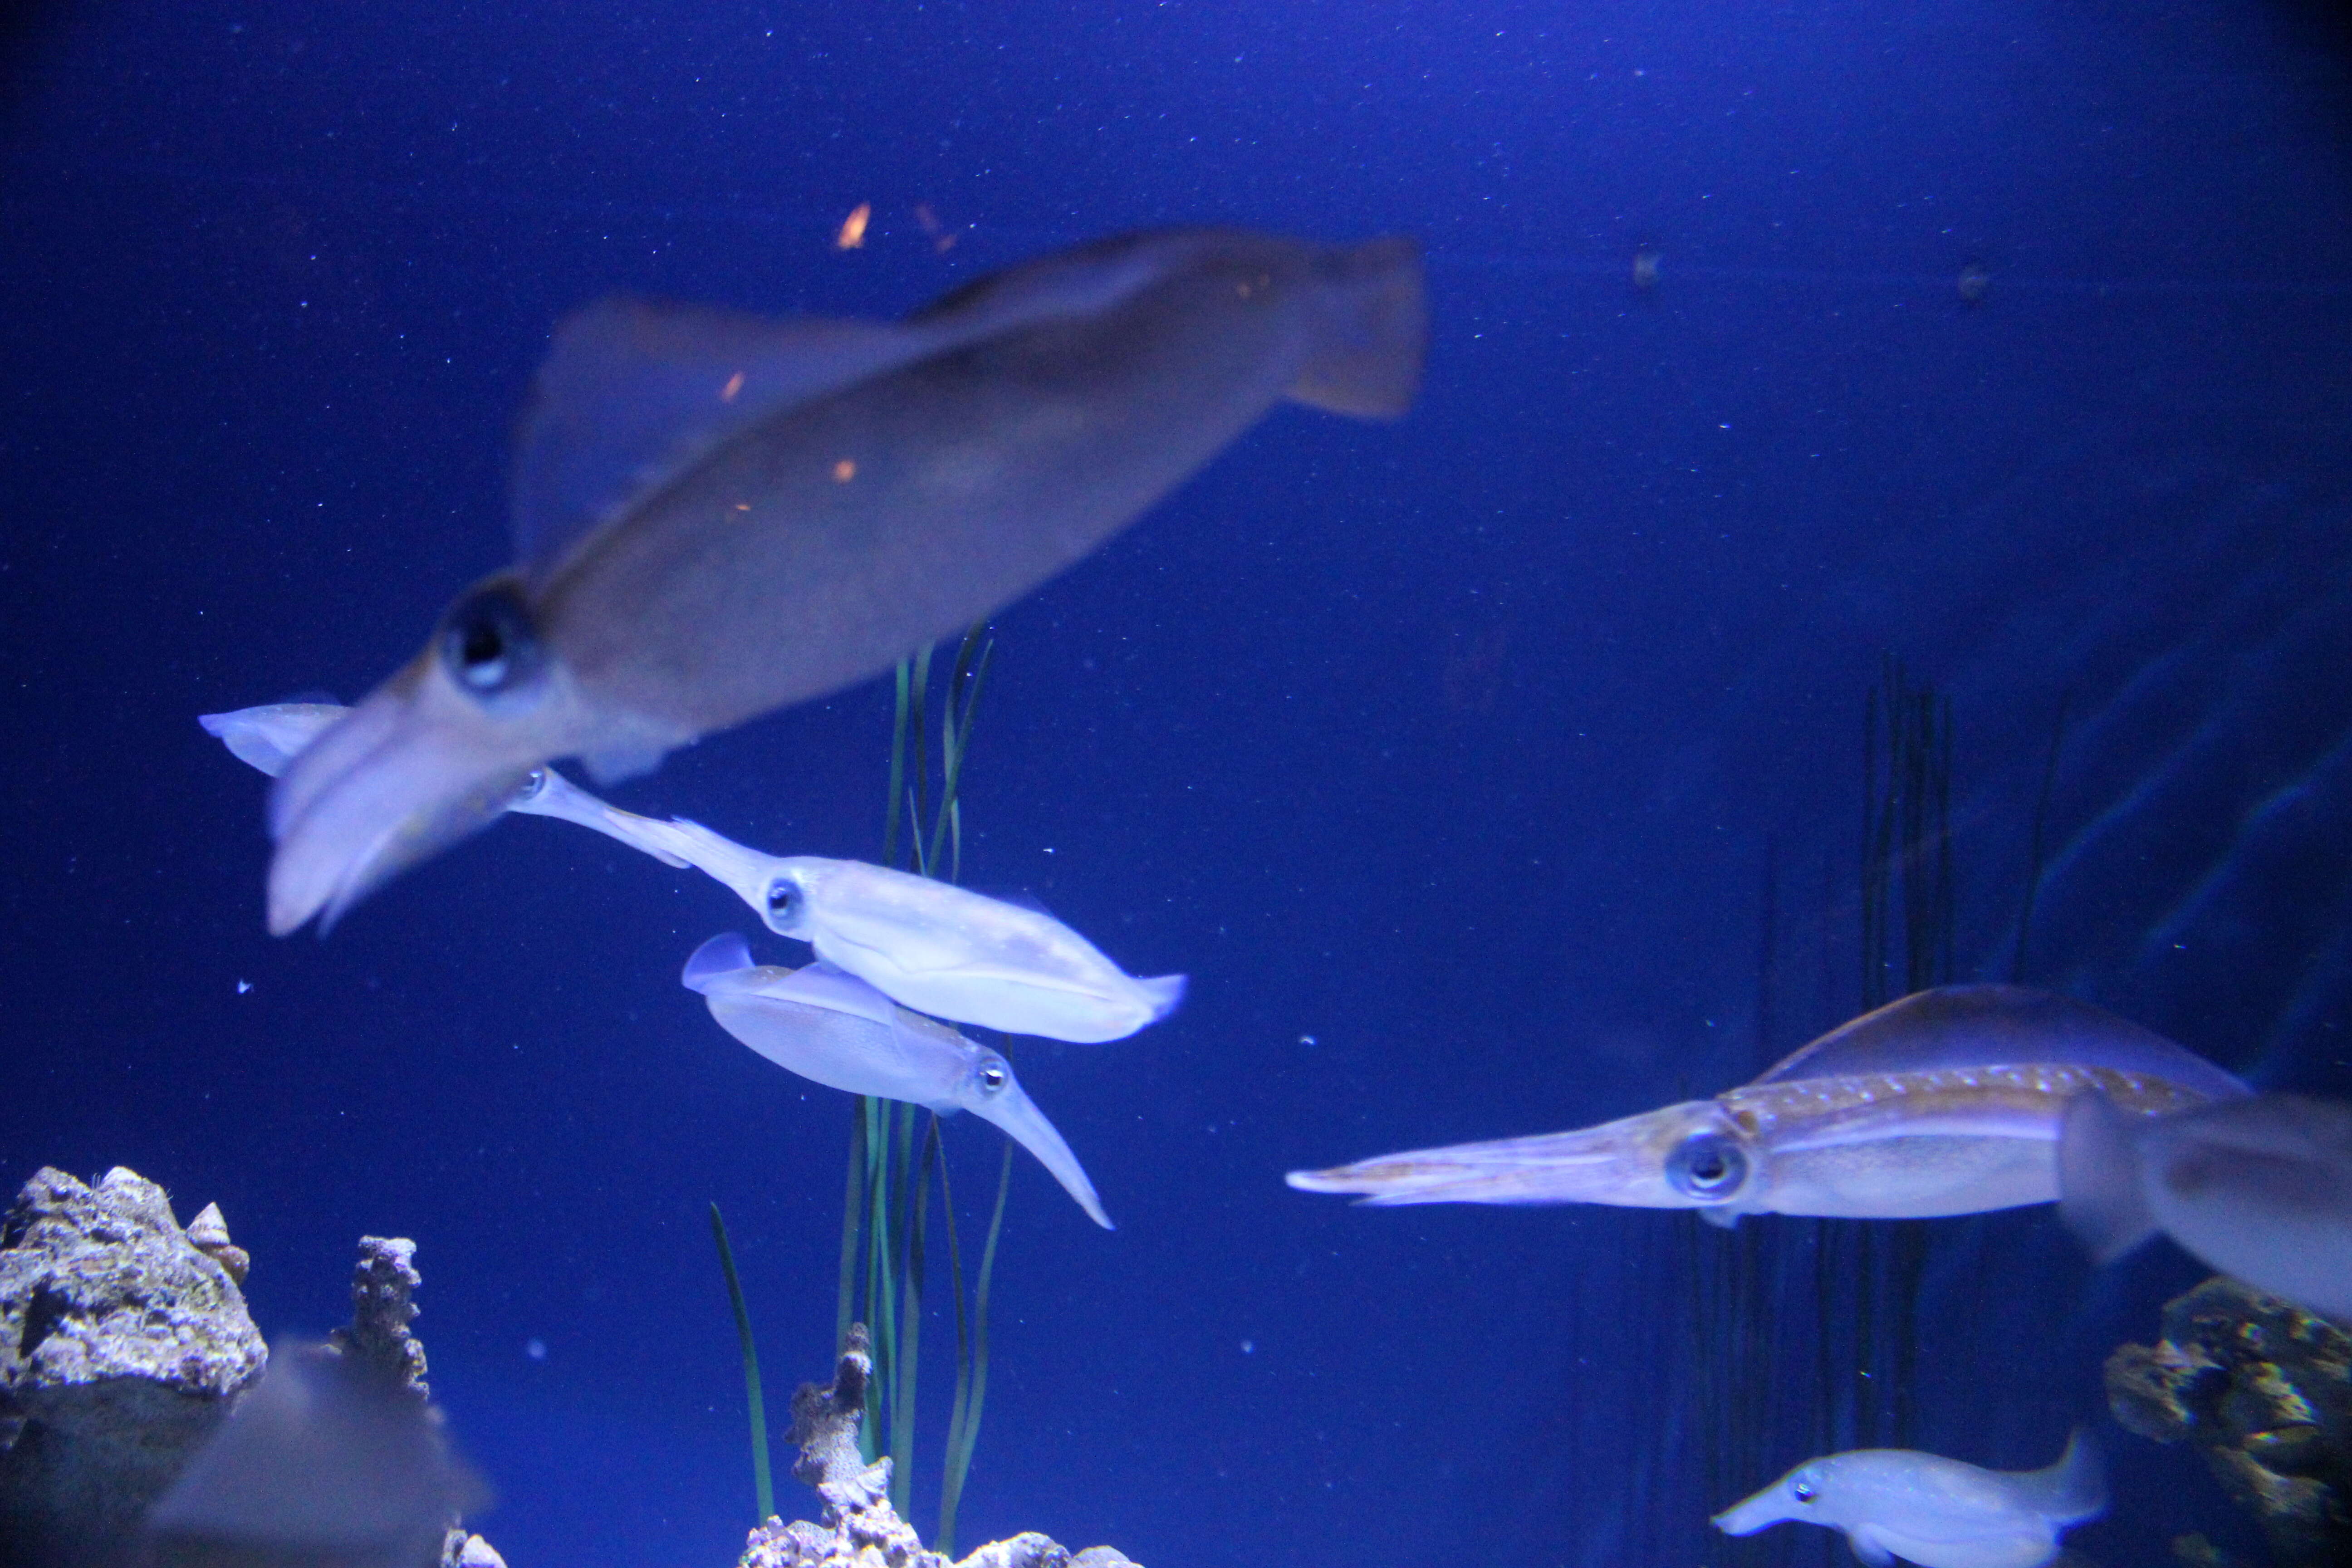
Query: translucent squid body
pixel 272 735
pixel 1946 1102
pixel 833 1028
pixel 926 945
pixel 2259 1188
pixel 716 515
pixel 1936 1512
pixel 932 946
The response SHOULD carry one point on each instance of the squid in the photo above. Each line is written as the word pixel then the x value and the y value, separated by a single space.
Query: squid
pixel 833 1028
pixel 2257 1188
pixel 1948 1101
pixel 1936 1512
pixel 932 946
pixel 270 736
pixel 717 515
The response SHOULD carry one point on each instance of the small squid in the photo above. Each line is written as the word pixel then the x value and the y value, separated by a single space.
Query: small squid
pixel 1936 1512
pixel 932 946
pixel 833 1028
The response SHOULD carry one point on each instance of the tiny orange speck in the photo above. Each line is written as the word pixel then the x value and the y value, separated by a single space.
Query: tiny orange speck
pixel 734 384
pixel 844 470
pixel 853 227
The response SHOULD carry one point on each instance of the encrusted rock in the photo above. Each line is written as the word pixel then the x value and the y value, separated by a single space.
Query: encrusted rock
pixel 121 1341
pixel 381 1284
pixel 2263 1388
pixel 861 1530
pixel 459 1550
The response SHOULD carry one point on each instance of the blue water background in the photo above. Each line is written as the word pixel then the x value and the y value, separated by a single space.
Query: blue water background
pixel 1445 757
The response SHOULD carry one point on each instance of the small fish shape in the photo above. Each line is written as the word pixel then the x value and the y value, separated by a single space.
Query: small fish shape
pixel 1946 1102
pixel 1934 1512
pixel 717 515
pixel 272 735
pixel 932 946
pixel 2259 1188
pixel 833 1028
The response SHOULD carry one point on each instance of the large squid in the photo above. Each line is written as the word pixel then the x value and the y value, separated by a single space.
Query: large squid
pixel 717 515
pixel 1947 1102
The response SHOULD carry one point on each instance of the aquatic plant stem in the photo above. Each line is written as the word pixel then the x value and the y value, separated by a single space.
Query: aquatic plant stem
pixel 920 772
pixel 949 1483
pixel 897 767
pixel 971 1365
pixel 964 678
pixel 906 1362
pixel 2034 855
pixel 846 1300
pixel 762 1478
pixel 881 1264
pixel 960 1464
pixel 1907 867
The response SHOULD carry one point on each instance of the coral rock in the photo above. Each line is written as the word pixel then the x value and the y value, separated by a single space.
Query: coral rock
pixel 121 1341
pixel 2264 1389
pixel 382 1287
pixel 460 1549
pixel 861 1530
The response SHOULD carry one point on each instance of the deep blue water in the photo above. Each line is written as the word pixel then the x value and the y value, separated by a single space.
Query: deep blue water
pixel 1450 759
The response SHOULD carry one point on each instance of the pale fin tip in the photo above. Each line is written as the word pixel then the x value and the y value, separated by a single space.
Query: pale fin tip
pixel 2099 1194
pixel 1165 993
pixel 726 954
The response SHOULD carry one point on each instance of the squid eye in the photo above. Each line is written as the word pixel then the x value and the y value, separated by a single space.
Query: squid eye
pixel 532 786
pixel 783 899
pixel 488 643
pixel 994 1075
pixel 1804 1491
pixel 1707 1166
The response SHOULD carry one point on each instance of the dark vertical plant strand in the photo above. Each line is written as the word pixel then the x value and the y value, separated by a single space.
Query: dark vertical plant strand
pixel 971 1370
pixel 763 1482
pixel 2034 854
pixel 1906 874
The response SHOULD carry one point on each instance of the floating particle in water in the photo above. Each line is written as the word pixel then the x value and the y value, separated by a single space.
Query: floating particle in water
pixel 853 227
pixel 941 240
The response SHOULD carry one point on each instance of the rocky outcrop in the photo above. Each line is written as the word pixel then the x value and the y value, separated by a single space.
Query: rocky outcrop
pixel 383 1283
pixel 122 1340
pixel 860 1528
pixel 2263 1389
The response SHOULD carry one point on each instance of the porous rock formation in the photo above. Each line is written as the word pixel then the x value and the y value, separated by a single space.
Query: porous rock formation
pixel 122 1340
pixel 124 1343
pixel 2263 1389
pixel 860 1528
